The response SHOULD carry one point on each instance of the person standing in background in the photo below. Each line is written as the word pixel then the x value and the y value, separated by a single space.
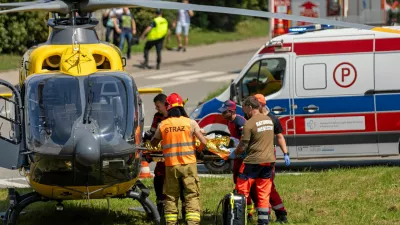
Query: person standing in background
pixel 183 23
pixel 112 24
pixel 127 30
pixel 155 33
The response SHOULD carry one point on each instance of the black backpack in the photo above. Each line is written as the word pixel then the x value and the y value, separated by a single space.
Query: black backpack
pixel 234 209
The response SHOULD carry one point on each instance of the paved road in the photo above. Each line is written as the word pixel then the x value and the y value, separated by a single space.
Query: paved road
pixel 193 81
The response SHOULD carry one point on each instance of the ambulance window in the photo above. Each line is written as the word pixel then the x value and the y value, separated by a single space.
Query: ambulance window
pixel 249 82
pixel 264 77
pixel 314 76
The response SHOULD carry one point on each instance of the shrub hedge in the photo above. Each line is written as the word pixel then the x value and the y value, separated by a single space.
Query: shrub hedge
pixel 18 29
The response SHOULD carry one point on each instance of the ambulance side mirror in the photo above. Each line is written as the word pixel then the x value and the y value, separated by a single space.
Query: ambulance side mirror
pixel 232 89
pixel 235 93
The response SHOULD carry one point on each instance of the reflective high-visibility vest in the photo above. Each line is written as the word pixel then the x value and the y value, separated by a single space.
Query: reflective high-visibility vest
pixel 126 21
pixel 160 30
pixel 178 144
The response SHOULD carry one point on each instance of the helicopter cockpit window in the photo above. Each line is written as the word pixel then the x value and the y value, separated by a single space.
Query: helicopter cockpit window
pixel 107 105
pixel 53 105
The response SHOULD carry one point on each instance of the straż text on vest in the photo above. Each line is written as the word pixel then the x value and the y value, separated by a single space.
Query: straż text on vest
pixel 175 129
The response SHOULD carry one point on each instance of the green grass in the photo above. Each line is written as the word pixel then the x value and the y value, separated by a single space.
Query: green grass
pixel 246 29
pixel 8 62
pixel 338 196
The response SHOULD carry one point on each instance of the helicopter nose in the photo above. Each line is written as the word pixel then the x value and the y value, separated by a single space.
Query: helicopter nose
pixel 87 149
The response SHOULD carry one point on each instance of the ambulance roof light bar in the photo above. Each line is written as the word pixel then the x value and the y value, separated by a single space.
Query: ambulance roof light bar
pixel 309 28
pixel 277 46
pixel 272 43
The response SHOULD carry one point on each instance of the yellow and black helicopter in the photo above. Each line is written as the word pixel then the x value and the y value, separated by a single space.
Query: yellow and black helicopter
pixel 76 115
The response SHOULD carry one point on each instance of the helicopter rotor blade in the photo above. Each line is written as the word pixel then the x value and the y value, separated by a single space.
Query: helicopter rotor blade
pixel 56 6
pixel 15 5
pixel 62 6
pixel 99 4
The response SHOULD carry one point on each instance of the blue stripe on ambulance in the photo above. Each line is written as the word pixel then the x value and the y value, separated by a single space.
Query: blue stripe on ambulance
pixel 388 102
pixel 327 105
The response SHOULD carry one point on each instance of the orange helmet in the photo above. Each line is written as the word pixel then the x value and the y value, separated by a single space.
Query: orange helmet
pixel 174 100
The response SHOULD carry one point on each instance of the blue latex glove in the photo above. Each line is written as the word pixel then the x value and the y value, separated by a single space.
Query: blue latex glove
pixel 287 159
pixel 243 155
pixel 232 155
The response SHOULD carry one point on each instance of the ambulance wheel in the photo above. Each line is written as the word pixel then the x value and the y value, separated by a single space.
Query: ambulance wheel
pixel 219 166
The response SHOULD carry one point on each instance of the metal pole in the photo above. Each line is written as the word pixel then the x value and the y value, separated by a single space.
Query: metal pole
pixel 271 20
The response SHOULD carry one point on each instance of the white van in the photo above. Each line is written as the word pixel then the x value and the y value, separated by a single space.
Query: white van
pixel 335 91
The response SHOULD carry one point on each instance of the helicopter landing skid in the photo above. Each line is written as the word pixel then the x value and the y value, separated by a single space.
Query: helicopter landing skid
pixel 142 197
pixel 18 202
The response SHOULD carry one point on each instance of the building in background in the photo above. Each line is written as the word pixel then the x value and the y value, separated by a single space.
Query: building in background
pixel 371 12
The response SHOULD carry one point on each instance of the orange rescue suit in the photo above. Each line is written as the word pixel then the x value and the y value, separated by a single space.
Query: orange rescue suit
pixel 179 147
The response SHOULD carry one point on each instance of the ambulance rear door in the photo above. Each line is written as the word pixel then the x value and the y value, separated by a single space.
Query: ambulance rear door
pixel 333 116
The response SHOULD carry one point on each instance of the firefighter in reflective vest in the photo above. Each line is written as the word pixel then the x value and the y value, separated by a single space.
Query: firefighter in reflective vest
pixel 157 31
pixel 176 134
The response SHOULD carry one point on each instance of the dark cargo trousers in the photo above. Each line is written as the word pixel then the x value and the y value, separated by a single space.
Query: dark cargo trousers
pixel 187 174
pixel 149 45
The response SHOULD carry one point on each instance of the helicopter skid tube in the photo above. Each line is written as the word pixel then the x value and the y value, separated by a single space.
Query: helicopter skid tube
pixel 142 198
pixel 18 204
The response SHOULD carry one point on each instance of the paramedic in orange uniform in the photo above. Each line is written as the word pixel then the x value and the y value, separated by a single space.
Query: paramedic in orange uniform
pixel 275 198
pixel 258 143
pixel 177 133
pixel 235 123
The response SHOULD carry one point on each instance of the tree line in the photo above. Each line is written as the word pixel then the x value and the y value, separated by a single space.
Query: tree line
pixel 17 30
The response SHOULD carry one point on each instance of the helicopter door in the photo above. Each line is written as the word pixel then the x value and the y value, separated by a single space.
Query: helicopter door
pixel 10 125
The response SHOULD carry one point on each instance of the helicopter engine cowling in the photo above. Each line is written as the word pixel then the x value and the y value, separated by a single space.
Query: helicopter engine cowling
pixel 87 147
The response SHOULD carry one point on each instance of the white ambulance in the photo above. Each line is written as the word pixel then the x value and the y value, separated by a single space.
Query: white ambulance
pixel 335 91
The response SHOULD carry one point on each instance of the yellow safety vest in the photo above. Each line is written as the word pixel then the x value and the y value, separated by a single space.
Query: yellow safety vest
pixel 160 30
